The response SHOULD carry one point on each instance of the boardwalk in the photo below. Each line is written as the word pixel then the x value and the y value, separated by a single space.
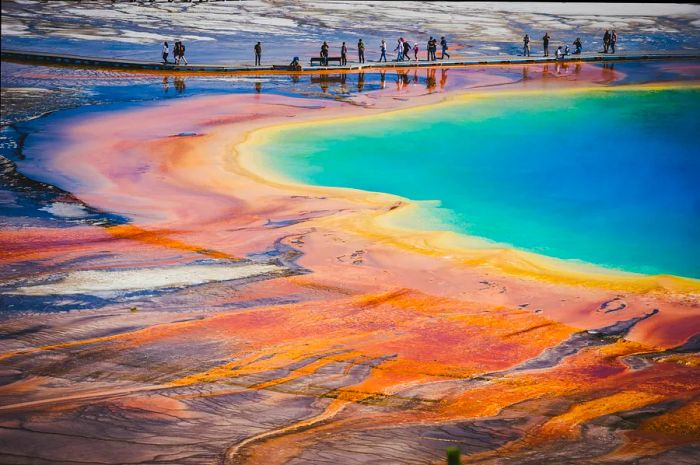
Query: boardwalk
pixel 135 65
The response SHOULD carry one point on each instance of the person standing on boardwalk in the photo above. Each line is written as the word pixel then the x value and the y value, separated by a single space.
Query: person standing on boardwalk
pixel 433 49
pixel 361 51
pixel 526 46
pixel 578 45
pixel 428 47
pixel 258 53
pixel 324 54
pixel 382 49
pixel 545 43
pixel 406 50
pixel 415 51
pixel 613 41
pixel 443 46
pixel 343 54
pixel 606 41
pixel 165 52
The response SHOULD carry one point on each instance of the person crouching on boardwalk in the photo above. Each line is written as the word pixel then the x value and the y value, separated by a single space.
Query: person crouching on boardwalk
pixel 165 52
pixel 578 45
pixel 343 54
pixel 258 53
pixel 361 51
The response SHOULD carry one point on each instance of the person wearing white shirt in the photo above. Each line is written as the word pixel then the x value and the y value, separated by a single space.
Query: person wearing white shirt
pixel 382 49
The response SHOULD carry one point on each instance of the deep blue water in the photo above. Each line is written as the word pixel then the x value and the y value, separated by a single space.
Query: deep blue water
pixel 607 177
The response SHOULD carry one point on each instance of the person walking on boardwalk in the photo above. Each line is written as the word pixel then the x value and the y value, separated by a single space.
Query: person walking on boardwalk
pixel 406 50
pixel 545 43
pixel 578 45
pixel 415 51
pixel 324 54
pixel 526 46
pixel 181 53
pixel 613 41
pixel 443 46
pixel 165 52
pixel 433 49
pixel 343 54
pixel 258 53
pixel 382 49
pixel 361 51
pixel 399 50
pixel 606 41
pixel 176 52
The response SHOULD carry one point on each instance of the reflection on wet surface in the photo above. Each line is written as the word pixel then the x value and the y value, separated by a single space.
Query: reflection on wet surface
pixel 25 87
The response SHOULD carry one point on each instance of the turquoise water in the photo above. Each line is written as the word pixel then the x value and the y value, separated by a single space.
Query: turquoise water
pixel 606 177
